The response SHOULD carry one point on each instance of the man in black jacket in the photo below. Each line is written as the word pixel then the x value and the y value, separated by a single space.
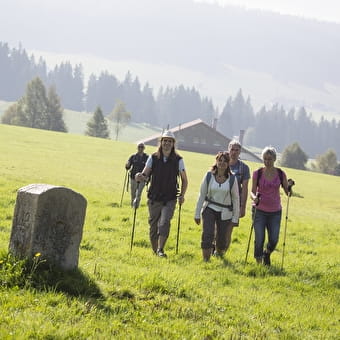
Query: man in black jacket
pixel 136 163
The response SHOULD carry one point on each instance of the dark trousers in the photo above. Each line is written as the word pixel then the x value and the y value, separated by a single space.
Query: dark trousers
pixel 212 218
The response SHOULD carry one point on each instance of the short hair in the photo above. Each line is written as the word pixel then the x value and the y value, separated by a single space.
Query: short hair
pixel 234 142
pixel 269 150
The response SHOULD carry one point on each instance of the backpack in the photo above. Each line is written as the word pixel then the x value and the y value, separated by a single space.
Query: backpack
pixel 231 183
pixel 260 171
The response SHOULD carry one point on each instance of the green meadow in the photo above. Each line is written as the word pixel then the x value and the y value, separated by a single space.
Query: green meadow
pixel 118 294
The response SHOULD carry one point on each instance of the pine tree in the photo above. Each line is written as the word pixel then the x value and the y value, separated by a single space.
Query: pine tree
pixel 55 111
pixel 97 125
pixel 36 105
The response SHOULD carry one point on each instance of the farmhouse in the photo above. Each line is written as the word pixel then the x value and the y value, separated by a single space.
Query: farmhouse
pixel 197 136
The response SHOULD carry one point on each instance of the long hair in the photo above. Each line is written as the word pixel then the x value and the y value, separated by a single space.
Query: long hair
pixel 159 152
pixel 225 156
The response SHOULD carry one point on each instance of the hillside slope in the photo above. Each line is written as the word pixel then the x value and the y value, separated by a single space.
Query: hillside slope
pixel 143 296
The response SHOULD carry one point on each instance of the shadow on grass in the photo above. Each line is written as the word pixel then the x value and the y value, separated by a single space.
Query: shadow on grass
pixel 252 269
pixel 74 282
pixel 40 276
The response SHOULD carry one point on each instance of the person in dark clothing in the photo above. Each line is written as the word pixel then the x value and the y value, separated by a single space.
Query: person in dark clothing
pixel 163 167
pixel 135 164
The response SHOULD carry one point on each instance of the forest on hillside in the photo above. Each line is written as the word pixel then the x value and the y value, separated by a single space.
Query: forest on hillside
pixel 170 106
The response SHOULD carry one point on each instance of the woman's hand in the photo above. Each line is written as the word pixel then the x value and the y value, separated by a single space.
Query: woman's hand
pixel 197 221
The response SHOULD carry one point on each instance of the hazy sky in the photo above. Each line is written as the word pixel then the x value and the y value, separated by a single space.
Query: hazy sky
pixel 327 10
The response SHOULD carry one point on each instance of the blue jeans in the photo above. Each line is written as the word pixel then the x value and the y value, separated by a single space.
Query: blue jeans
pixel 270 221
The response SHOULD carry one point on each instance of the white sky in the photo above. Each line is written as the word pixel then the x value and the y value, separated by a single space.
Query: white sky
pixel 323 10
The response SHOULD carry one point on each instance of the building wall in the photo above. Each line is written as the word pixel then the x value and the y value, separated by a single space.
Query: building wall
pixel 200 138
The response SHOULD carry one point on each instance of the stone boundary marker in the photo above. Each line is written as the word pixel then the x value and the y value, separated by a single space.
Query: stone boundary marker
pixel 48 220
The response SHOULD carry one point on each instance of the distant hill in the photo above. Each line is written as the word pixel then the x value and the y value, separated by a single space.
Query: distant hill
pixel 272 57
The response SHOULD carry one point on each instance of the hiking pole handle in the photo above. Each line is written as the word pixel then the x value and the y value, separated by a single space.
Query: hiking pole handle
pixel 257 197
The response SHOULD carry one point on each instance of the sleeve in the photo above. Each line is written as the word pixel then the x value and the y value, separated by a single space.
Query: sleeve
pixel 201 197
pixel 246 174
pixel 148 163
pixel 128 164
pixel 181 165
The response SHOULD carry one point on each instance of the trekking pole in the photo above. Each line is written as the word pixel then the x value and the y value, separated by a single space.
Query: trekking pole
pixel 291 183
pixel 133 228
pixel 252 227
pixel 284 235
pixel 134 223
pixel 178 225
pixel 121 200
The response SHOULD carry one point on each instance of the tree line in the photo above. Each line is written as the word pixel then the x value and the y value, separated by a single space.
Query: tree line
pixel 171 106
pixel 104 90
pixel 278 127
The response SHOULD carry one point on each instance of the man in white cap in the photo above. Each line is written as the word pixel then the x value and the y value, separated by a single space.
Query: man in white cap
pixel 163 167
pixel 136 163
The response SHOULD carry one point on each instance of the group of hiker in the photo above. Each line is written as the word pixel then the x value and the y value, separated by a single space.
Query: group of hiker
pixel 221 201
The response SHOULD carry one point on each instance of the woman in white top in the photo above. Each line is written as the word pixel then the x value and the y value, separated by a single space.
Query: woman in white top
pixel 219 205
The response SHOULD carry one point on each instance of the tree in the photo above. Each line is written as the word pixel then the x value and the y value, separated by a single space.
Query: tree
pixel 97 125
pixel 35 105
pixel 326 163
pixel 120 117
pixel 56 122
pixel 36 109
pixel 337 170
pixel 294 157
pixel 14 115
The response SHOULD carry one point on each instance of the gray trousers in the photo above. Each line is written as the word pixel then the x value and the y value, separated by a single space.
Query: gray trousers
pixel 160 215
pixel 136 194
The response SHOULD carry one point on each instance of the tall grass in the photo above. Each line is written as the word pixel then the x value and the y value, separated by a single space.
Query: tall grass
pixel 123 295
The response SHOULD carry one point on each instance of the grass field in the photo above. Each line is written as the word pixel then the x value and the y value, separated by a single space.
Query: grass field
pixel 139 296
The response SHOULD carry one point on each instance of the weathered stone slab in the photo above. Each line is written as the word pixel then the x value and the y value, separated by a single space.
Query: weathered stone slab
pixel 48 220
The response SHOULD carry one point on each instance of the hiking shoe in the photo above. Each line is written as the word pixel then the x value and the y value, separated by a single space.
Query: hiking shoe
pixel 266 258
pixel 217 254
pixel 160 253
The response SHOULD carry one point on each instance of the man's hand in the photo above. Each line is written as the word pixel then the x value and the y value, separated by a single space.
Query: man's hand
pixel 180 199
pixel 140 177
